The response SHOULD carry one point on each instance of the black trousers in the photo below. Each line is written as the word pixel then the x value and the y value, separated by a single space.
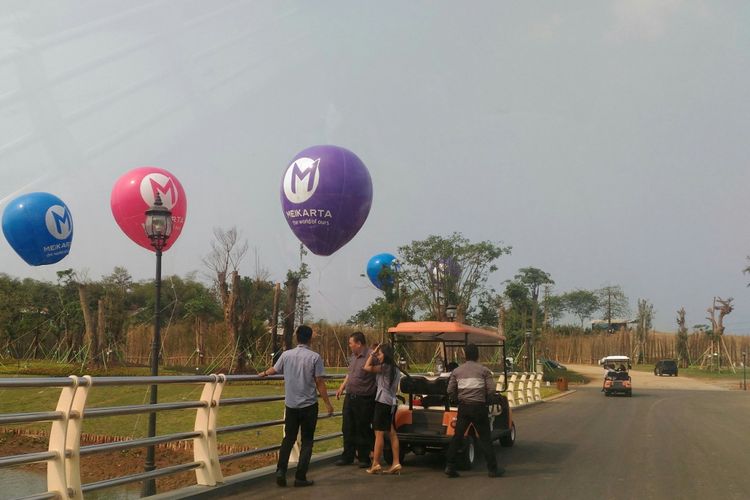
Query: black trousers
pixel 478 415
pixel 356 427
pixel 302 420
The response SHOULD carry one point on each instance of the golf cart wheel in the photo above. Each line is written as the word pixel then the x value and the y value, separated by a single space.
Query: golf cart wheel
pixel 468 453
pixel 509 439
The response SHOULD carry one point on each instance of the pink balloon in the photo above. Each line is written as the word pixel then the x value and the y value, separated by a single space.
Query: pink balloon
pixel 135 192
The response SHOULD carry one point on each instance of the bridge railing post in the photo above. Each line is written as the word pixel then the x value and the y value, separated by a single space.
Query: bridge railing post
pixel 512 390
pixel 205 446
pixel 538 386
pixel 522 389
pixel 73 439
pixel 56 476
pixel 500 382
pixel 530 387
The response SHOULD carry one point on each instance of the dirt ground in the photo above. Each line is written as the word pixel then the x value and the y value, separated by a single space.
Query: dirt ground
pixel 122 463
pixel 648 380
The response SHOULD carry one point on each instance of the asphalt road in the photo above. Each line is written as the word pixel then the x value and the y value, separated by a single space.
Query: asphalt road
pixel 662 443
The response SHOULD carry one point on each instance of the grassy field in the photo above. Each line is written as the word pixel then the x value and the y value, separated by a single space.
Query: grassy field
pixel 696 372
pixel 135 426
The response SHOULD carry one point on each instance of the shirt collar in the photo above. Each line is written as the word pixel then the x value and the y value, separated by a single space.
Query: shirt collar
pixel 364 352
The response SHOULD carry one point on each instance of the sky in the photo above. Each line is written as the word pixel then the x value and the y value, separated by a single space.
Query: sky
pixel 605 141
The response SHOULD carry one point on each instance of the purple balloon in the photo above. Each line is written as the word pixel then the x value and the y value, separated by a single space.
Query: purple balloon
pixel 326 194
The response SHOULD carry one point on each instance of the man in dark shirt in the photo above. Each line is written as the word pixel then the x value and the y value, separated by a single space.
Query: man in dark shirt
pixel 359 405
pixel 471 383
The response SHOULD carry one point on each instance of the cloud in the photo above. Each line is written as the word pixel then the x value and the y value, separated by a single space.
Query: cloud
pixel 546 28
pixel 643 19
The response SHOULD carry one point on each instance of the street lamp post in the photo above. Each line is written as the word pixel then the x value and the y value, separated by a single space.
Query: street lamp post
pixel 744 370
pixel 528 351
pixel 158 227
pixel 450 312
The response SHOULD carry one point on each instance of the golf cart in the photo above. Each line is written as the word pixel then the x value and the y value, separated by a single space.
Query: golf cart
pixel 425 422
pixel 616 379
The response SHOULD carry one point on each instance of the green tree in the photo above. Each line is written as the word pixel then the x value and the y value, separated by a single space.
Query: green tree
pixel 533 279
pixel 69 316
pixel 116 288
pixel 581 303
pixel 485 313
pixel 554 308
pixel 441 270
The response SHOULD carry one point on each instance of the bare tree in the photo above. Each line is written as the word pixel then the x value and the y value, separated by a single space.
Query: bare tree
pixel 227 251
pixel 92 342
pixel 724 307
pixel 645 318
pixel 613 303
pixel 293 279
pixel 683 354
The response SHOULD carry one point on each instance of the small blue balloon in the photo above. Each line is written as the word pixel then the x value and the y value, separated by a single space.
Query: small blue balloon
pixel 39 227
pixel 375 266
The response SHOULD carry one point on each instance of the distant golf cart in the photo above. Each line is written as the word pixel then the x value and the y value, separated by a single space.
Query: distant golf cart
pixel 616 379
pixel 426 421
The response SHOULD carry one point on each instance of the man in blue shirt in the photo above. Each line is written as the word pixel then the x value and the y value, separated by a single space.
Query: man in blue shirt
pixel 303 373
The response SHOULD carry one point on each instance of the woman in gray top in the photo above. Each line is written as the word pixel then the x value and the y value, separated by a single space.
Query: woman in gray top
pixel 387 376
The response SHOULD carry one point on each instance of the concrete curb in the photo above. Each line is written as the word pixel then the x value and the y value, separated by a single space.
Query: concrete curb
pixel 241 482
pixel 559 395
pixel 549 398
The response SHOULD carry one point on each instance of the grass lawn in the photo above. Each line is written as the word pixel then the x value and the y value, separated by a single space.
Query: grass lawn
pixel 697 372
pixel 724 378
pixel 135 426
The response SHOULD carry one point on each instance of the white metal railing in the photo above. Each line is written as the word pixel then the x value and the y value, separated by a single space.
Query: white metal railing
pixel 523 388
pixel 64 447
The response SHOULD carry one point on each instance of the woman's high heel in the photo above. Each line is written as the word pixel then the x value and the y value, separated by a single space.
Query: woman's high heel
pixel 375 469
pixel 395 469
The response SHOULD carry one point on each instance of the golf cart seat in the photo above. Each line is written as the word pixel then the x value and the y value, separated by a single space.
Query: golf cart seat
pixel 434 392
pixel 422 385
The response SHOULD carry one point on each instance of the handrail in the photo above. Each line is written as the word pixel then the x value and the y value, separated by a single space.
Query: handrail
pixel 132 409
pixel 134 478
pixel 37 382
pixel 21 418
pixel 257 399
pixel 65 450
pixel 27 458
pixel 41 496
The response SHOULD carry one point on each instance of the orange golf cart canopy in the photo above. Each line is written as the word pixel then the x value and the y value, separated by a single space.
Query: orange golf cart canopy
pixel 445 331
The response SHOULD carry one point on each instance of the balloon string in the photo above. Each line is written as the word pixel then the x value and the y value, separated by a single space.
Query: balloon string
pixel 329 301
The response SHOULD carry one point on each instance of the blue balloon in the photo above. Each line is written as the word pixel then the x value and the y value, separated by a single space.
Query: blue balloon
pixel 375 266
pixel 39 227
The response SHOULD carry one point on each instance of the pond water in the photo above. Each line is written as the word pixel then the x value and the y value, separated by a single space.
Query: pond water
pixel 20 483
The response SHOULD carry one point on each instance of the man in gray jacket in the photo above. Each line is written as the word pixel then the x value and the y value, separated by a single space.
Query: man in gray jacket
pixel 470 384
